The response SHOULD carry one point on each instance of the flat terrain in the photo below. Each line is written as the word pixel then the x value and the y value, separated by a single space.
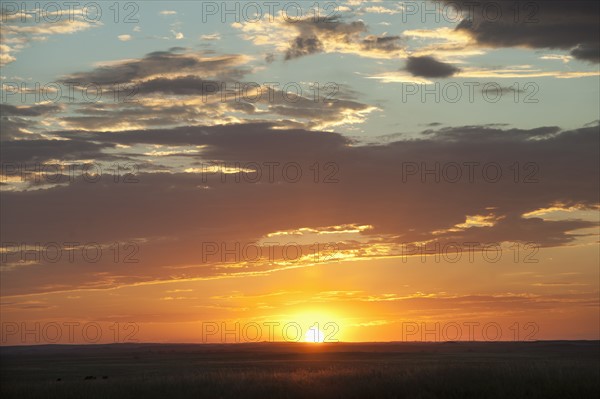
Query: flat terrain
pixel 544 369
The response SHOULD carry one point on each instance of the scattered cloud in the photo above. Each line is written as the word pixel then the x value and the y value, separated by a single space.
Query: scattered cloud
pixel 429 67
pixel 17 35
pixel 327 35
pixel 212 36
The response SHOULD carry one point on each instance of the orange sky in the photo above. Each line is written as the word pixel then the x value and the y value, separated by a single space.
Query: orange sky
pixel 368 300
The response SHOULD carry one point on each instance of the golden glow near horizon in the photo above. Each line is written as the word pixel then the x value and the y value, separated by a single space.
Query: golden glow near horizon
pixel 395 302
pixel 314 335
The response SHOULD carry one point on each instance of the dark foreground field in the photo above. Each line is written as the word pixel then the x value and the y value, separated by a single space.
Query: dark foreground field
pixel 568 369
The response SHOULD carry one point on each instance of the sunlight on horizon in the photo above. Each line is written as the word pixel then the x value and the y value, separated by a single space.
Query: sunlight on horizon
pixel 314 335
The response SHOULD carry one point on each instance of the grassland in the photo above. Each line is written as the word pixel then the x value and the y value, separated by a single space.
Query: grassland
pixel 558 369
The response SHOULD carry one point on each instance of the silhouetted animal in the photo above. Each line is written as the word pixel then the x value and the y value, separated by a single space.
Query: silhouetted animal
pixel 105 377
pixel 89 377
pixel 59 379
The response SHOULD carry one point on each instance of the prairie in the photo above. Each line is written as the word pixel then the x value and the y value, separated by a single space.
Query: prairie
pixel 544 369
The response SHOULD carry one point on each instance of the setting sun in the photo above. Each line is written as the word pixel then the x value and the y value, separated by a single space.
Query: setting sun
pixel 314 335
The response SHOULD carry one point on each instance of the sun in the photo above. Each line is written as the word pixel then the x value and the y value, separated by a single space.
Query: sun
pixel 314 335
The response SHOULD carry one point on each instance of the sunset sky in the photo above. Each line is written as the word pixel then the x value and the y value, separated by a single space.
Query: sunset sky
pixel 389 170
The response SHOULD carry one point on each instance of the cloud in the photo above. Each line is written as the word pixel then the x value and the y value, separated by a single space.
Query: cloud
pixel 302 46
pixel 63 26
pixel 381 10
pixel 124 38
pixel 28 110
pixel 309 36
pixel 41 150
pixel 571 25
pixel 398 211
pixel 441 42
pixel 564 58
pixel 185 85
pixel 16 35
pixel 176 88
pixel 588 52
pixel 20 122
pixel 5 57
pixel 169 63
pixel 191 100
pixel 526 71
pixel 429 67
pixel 212 36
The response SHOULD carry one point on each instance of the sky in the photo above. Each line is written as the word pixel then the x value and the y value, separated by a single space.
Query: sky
pixel 217 172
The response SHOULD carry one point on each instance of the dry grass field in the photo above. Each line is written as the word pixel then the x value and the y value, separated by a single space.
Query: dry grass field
pixel 560 369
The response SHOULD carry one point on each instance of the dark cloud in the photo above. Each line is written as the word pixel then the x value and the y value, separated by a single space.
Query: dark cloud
pixel 429 67
pixel 97 116
pixel 14 127
pixel 19 122
pixel 219 107
pixel 302 46
pixel 225 141
pixel 588 52
pixel 32 151
pixel 219 102
pixel 29 110
pixel 188 85
pixel 496 91
pixel 331 25
pixel 269 58
pixel 163 62
pixel 381 163
pixel 175 212
pixel 316 113
pixel 313 33
pixel 229 94
pixel 567 25
pixel 385 43
pixel 492 134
